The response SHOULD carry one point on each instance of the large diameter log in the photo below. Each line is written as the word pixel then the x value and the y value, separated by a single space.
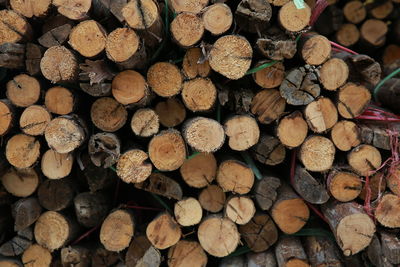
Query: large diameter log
pixel 285 132
pixel 163 231
pixel 188 211
pixel 364 159
pixel 22 151
pixel 212 198
pixel 59 64
pixel 242 131
pixel 387 211
pixel 23 90
pixel 200 170
pixel 91 208
pixel 20 182
pixel 293 19
pixel 56 36
pixel 142 253
pixel 352 100
pixel 228 175
pixel 165 79
pixel 308 187
pixel 14 28
pixel 290 252
pixel 161 184
pixel 352 227
pixel 261 259
pixel 317 153
pixel 373 32
pixel 36 256
pixel 187 253
pixel 322 251
pixel 391 247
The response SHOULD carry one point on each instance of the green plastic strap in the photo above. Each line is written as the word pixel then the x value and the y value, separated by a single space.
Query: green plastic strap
pixel 193 155
pixel 263 66
pixel 391 75
pixel 299 4
pixel 249 161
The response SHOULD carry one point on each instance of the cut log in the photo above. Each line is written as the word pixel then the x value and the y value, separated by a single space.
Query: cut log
pixel 56 36
pixel 104 149
pixel 25 212
pixel 333 73
pixel 36 256
pixel 194 6
pixel 163 232
pixel 212 198
pixel 23 90
pixel 108 115
pixel 278 2
pixel 218 236
pixel 345 135
pixel 363 68
pixel 60 100
pixel 391 54
pixel 199 94
pixel 7 116
pixel 165 79
pixel 22 151
pixel 289 211
pixel 59 64
pixel 317 153
pixel 88 38
pixel 14 28
pixel 391 247
pixel 348 34
pixel 277 46
pixel 240 209
pixel 171 112
pixel 235 176
pixel 393 181
pixel 76 256
pixel 377 184
pixel 187 29
pixel 53 230
pixel 130 87
pixel 373 32
pixel 352 227
pixel 387 211
pixel 382 10
pixel 18 244
pixel 260 233
pixel 355 11
pixel 243 132
pixel 104 258
pixel 55 165
pixel 231 56
pixel 200 170
pixel 265 191
pixel 187 253
pixel 375 253
pixel 269 150
pixel 344 186
pixel 56 195
pixel 269 77
pixel 133 166
pixel 160 184
pixel 261 259
pixel 33 120
pixel 203 134
pixel 9 262
pixel 142 253
pixel 322 251
pixel 290 252
pixel 217 18
pixel 145 122
pixel 285 132
pixel 293 19
pixel 31 9
pixel 315 49
pixel 188 211
pixel 253 15
pixel 308 187
pixel 12 55
pixel 321 115
pixel 20 182
pixel 117 230
pixel 364 159
pixel 195 64
pixel 91 208
pixel 75 9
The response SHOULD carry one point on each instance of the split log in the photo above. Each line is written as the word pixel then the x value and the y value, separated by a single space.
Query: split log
pixel 171 112
pixel 108 115
pixel 265 191
pixel 344 186
pixel 104 149
pixel 59 64
pixel 165 79
pixel 290 252
pixel 200 170
pixel 14 28
pixel 91 208
pixel 36 256
pixel 23 90
pixel 56 195
pixel 7 116
pixel 161 184
pixel 60 100
pixel 18 244
pixel 242 131
pixel 76 256
pixel 75 9
pixel 333 73
pixel 133 166
pixel 269 150
pixel 188 211
pixel 355 11
pixel 322 251
pixel 33 56
pixel 386 211
pixel 130 88
pixel 212 198
pixel 55 165
pixel 195 64
pixel 187 29
pixel 217 18
pixel 285 132
pixel 315 49
pixel 163 232
pixel 142 253
pixel 308 187
pixel 56 36
pixel 185 253
pixel 364 159
pixel 317 153
pixel 199 94
pixel 25 212
pixel 240 209
pixel 348 34
pixel 345 135
pixel 33 120
pixel 235 176
pixel 22 151
pixel 293 19
pixel 20 182
pixel 321 115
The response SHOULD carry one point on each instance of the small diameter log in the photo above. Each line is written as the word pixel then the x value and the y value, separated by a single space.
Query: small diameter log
pixel 265 191
pixel 36 256
pixel 141 252
pixel 7 116
pixel 187 253
pixel 293 19
pixel 267 105
pixel 377 184
pixel 391 247
pixel 165 79
pixel 88 38
pixel 65 133
pixel 212 198
pixel 199 170
pixel 75 9
pixel 285 132
pixel 333 73
pixel 59 64
pixel 289 211
pixel 104 149
pixel 108 115
pixel 317 153
pixel 33 56
pixel 300 87
pixel 76 256
pixel 59 100
pixel 231 56
pixel 308 187
pixel 189 6
pixel 269 150
pixel 235 176
pixel 243 132
pixel 14 28
pixel 171 112
pixel 199 94
pixel 18 244
pixel 217 18
pixel 25 212
pixel 55 165
pixel 133 166
pixel 203 134
pixel 240 209
pixel 188 211
pixel 160 184
pixel 321 115
pixel 290 252
pixel 20 182
pixel 130 87
pixel 260 233
pixel 56 195
pixel 387 211
pixel 344 186
pixel 364 159
pixel 355 11
pixel 261 259
pixel 322 251
pixel 31 8
pixel 195 64
pixel 34 120
pixel 187 29
pixel 218 236
pixel 163 231
pixel 253 15
pixel 373 32
pixel 383 10
pixel 56 36
pixel 23 90
pixel 388 92
pixel 91 208
pixel 345 135
pixel 269 77
pixel 145 122
pixel 53 230
pixel 352 227
pixel 315 49
pixel 117 230
pixel 348 34
pixel 22 151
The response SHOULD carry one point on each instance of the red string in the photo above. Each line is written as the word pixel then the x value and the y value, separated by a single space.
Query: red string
pixel 86 234
pixel 377 114
pixel 339 47
pixel 319 7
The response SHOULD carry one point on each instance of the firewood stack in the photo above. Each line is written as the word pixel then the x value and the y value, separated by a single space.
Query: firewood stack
pixel 189 133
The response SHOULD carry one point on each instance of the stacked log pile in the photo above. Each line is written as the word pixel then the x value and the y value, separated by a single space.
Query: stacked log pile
pixel 144 133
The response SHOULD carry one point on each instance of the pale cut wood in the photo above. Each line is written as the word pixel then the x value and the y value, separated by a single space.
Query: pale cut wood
pixel 7 116
pixel 20 182
pixel 34 120
pixel 199 94
pixel 333 73
pixel 387 211
pixel 88 38
pixel 163 232
pixel 212 198
pixel 122 44
pixel 194 6
pixel 285 132
pixel 142 253
pixel 199 170
pixel 55 165
pixel 290 252
pixel 345 135
pixel 240 209
pixel 171 112
pixel 23 90
pixel 195 64
pixel 36 256
pixel 317 153
pixel 242 131
pixel 364 159
pixel 108 115
pixel 30 8
pixel 73 9
pixel 344 186
pixel 269 77
pixel 293 19
pixel 187 29
pixel 217 18
pixel 187 253
pixel 188 211
pixel 59 64
pixel 140 14
pixel 132 166
pixel 235 176
pixel 355 11
pixel 321 115
pixel 145 122
pixel 22 151
pixel 130 87
pixel 165 79
pixel 14 28
pixel 315 49
pixel 59 100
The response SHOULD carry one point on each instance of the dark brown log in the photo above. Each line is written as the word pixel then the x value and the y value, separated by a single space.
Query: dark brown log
pixel 290 252
pixel 95 78
pixel 377 185
pixel 265 191
pixel 104 149
pixel 56 36
pixel 261 259
pixel 12 55
pixel 308 187
pixel 141 252
pixel 375 254
pixel 91 208
pixel 76 256
pixel 18 244
pixel 96 178
pixel 25 212
pixel 104 258
pixel 390 247
pixel 253 15
pixel 269 150
pixel 56 195
pixel 161 185
pixel 322 251
pixel 277 46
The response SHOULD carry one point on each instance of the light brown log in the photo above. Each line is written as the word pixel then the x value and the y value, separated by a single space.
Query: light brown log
pixel 187 29
pixel 194 6
pixel 240 209
pixel 195 64
pixel 333 73
pixel 163 231
pixel 289 211
pixel 345 135
pixel 387 211
pixel 171 112
pixel 203 134
pixel 59 64
pixel 77 256
pixel 373 32
pixel 188 211
pixel 317 153
pixel 9 262
pixel 231 56
pixel 7 116
pixel 355 12
pixel 269 150
pixel 290 252
pixel 348 34
pixel 60 100
pixel 56 195
pixel 117 230
pixel 55 165
pixel 165 79
pixel 88 38
pixel 20 182
pixel 321 115
pixel 285 132
pixel 36 256
pixel 130 87
pixel 322 251
pixel 104 149
pixel 34 120
pixel 30 9
pixel 186 253
pixel 293 19
pixel 17 244
pixel 14 28
pixel 269 77
pixel 344 186
pixel 315 49
pixel 352 227
pixel 217 18
pixel 212 198
pixel 108 115
pixel 242 131
pixel 218 236
pixel 265 191
pixel 57 36
pixel 25 212
pixel 199 94
pixel 133 166
pixel 145 122
pixel 235 176
pixel 382 10
pixel 75 9
pixel 364 159
pixel 377 184
pixel 142 253
pixel 393 181
pixel 23 90
pixel 140 14
pixel 278 2
pixel 253 15
pixel 22 151
pixel 199 170
pixel 308 187
pixel 161 184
